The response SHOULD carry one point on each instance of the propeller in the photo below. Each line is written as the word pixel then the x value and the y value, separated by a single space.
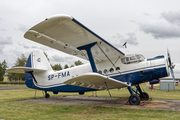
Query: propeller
pixel 171 65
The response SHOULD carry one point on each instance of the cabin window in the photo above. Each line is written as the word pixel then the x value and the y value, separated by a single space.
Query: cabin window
pixel 132 58
pixel 111 70
pixel 117 68
pixel 100 72
pixel 105 71
pixel 127 59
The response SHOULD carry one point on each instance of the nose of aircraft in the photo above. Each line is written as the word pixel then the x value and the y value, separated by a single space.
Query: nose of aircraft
pixel 171 65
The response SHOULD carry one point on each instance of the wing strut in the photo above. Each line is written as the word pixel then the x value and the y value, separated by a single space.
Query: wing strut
pixel 108 58
pixel 88 50
pixel 107 89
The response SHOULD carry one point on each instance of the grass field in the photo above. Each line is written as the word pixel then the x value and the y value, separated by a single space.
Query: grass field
pixel 11 110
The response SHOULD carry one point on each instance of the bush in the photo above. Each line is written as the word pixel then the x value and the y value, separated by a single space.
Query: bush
pixel 13 82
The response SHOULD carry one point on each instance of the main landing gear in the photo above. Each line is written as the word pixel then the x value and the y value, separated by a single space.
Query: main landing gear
pixel 47 95
pixel 136 98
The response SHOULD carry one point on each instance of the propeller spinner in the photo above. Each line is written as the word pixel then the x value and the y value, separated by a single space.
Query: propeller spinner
pixel 171 65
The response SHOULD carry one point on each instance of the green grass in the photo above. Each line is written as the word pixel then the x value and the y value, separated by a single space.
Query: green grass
pixel 32 111
pixel 11 110
pixel 12 85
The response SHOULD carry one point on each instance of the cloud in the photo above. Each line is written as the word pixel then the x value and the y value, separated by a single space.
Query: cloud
pixel 2 29
pixel 5 41
pixel 24 46
pixel 33 47
pixel 1 19
pixel 118 40
pixel 62 60
pixel 146 14
pixel 22 28
pixel 56 58
pixel 172 17
pixel 168 26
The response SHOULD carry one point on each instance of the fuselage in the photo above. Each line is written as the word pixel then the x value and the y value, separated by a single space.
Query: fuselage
pixel 133 73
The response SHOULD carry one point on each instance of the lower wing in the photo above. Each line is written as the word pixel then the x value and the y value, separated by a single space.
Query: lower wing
pixel 95 81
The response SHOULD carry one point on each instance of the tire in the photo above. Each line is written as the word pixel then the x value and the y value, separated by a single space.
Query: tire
pixel 134 99
pixel 145 96
pixel 47 95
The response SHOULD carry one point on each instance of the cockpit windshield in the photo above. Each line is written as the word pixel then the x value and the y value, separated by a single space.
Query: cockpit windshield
pixel 132 58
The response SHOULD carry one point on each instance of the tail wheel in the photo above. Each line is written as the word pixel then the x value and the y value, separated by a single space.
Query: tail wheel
pixel 144 96
pixel 134 99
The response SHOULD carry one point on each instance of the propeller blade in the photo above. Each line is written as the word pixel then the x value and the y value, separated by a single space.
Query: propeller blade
pixel 169 57
pixel 172 73
pixel 171 66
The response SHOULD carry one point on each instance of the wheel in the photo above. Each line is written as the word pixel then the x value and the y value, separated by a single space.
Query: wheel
pixel 145 96
pixel 134 99
pixel 47 95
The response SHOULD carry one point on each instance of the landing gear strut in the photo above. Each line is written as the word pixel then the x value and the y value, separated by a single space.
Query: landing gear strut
pixel 136 98
pixel 47 95
pixel 142 95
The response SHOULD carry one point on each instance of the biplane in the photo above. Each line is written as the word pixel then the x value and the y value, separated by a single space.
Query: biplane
pixel 108 67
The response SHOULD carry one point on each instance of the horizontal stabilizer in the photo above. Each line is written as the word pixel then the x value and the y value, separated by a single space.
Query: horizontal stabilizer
pixel 24 70
pixel 95 81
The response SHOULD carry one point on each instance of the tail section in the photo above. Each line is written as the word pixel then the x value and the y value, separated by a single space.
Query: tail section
pixel 38 60
pixel 37 63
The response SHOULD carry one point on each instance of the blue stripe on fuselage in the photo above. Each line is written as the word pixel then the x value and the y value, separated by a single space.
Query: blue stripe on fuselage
pixel 137 77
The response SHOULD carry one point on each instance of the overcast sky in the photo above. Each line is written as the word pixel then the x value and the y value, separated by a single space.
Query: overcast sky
pixel 148 27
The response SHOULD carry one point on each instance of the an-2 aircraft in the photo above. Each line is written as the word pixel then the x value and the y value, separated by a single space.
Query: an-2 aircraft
pixel 108 67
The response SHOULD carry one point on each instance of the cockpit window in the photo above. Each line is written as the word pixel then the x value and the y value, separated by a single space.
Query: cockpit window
pixel 127 59
pixel 132 58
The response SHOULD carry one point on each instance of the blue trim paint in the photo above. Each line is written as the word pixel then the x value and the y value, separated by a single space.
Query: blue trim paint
pixel 155 58
pixel 154 81
pixel 88 50
pixel 137 78
pixel 130 90
pixel 96 35
pixel 28 64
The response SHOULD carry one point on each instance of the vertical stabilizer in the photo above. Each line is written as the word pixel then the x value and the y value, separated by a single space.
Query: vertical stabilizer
pixel 38 60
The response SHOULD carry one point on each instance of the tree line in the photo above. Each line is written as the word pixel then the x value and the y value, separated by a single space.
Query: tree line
pixel 21 61
pixel 3 67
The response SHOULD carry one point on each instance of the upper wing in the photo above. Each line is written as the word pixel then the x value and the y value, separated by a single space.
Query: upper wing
pixel 95 81
pixel 66 34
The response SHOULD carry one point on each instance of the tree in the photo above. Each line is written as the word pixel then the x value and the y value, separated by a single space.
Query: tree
pixel 3 67
pixel 21 61
pixel 66 66
pixel 78 63
pixel 57 67
pixel 1 73
pixel 72 66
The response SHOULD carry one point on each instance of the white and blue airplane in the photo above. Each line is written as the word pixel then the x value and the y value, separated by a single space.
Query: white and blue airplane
pixel 108 67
